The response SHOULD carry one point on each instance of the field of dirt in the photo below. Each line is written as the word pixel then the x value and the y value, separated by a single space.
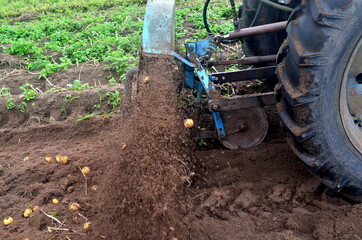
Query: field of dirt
pixel 147 181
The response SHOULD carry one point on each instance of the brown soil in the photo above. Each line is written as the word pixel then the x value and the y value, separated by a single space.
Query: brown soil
pixel 157 188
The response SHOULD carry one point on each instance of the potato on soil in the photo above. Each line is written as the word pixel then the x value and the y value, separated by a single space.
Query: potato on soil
pixel 64 160
pixel 55 201
pixel 8 221
pixel 27 212
pixel 123 146
pixel 85 170
pixel 146 80
pixel 188 123
pixel 76 220
pixel 74 206
pixel 87 226
pixel 48 159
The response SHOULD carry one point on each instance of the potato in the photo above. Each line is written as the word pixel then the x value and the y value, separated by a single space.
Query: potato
pixel 146 80
pixel 48 159
pixel 74 206
pixel 87 226
pixel 55 201
pixel 76 220
pixel 27 212
pixel 8 221
pixel 64 160
pixel 85 170
pixel 123 146
pixel 189 123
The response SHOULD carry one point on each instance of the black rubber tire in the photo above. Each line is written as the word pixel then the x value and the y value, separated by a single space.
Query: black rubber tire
pixel 320 43
pixel 267 44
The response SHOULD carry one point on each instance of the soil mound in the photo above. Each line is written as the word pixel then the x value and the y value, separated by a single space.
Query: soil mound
pixel 141 193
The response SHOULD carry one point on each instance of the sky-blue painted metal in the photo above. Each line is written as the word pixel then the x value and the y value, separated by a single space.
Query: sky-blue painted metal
pixel 158 35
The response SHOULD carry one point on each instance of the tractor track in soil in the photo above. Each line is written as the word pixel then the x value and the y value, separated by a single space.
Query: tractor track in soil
pixel 260 193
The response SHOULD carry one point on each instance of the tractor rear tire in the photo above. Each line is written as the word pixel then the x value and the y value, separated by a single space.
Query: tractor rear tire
pixel 267 44
pixel 322 44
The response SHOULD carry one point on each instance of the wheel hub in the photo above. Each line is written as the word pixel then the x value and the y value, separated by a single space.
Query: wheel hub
pixel 245 128
pixel 351 98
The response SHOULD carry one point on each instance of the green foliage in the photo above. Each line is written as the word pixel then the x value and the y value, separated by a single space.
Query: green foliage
pixel 55 40
pixel 29 93
pixel 78 85
pixel 70 98
pixel 113 99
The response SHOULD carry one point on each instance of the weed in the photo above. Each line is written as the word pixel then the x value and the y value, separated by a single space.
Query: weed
pixel 70 98
pixel 87 116
pixel 10 104
pixel 29 92
pixel 78 85
pixel 64 111
pixel 113 99
pixel 202 143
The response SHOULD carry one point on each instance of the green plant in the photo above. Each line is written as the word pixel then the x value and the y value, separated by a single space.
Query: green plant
pixel 78 85
pixel 10 104
pixel 87 116
pixel 70 98
pixel 202 143
pixel 29 92
pixel 113 99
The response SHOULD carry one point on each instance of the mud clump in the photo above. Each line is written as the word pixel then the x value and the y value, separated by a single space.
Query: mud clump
pixel 141 194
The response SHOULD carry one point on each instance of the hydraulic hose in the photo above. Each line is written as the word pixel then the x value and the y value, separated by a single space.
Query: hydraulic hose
pixel 206 24
pixel 278 6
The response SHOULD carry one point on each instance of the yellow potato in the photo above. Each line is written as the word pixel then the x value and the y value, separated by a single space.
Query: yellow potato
pixel 55 201
pixel 86 170
pixel 35 208
pixel 189 123
pixel 123 146
pixel 74 206
pixel 87 226
pixel 146 80
pixel 48 159
pixel 64 160
pixel 8 221
pixel 27 212
pixel 76 220
pixel 57 158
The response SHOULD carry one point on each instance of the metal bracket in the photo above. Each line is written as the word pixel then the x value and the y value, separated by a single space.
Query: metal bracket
pixel 242 102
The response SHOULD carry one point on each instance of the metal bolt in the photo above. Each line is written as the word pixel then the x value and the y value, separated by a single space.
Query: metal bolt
pixel 215 107
pixel 243 125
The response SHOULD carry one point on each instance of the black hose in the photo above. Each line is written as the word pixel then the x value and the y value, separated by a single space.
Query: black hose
pixel 206 24
pixel 252 24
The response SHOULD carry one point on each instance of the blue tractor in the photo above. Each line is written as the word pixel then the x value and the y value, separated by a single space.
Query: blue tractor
pixel 309 51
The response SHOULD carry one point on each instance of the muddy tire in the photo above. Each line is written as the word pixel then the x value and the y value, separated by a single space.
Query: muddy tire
pixel 267 44
pixel 323 57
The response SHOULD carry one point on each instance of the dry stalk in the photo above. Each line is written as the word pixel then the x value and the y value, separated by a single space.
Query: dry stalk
pixel 85 182
pixel 49 216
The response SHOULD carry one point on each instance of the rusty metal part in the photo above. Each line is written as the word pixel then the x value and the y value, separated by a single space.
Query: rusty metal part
pixel 245 128
pixel 258 30
pixel 351 98
pixel 243 102
pixel 244 75
pixel 246 61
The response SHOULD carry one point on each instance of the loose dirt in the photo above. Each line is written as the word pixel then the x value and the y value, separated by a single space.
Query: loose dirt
pixel 159 187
